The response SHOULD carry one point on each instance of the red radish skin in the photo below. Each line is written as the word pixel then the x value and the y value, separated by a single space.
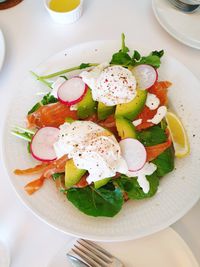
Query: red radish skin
pixel 42 144
pixel 72 91
pixel 134 153
pixel 145 76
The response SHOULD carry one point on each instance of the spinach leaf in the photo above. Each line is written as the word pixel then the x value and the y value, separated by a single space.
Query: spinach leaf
pixel 165 162
pixel 133 189
pixel 152 136
pixel 96 202
pixel 47 99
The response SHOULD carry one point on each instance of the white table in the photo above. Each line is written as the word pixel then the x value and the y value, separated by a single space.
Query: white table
pixel 31 37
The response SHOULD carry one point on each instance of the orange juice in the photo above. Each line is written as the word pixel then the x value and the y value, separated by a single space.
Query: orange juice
pixel 63 5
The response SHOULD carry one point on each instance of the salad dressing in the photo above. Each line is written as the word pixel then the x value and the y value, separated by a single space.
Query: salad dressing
pixel 160 114
pixel 152 101
pixel 63 5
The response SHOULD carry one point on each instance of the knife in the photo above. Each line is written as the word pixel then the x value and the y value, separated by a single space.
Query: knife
pixel 76 262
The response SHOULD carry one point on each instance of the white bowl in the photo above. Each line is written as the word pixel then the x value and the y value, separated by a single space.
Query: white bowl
pixel 191 2
pixel 65 17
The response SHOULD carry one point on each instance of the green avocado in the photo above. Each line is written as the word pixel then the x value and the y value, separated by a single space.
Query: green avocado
pixel 133 108
pixel 104 111
pixel 72 173
pixel 101 183
pixel 125 128
pixel 68 119
pixel 87 106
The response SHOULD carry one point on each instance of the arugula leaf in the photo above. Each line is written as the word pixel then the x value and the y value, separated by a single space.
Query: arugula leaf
pixel 64 77
pixel 165 162
pixel 55 176
pixel 163 124
pixel 157 53
pixel 47 99
pixel 104 201
pixel 23 135
pixel 122 57
pixel 124 48
pixel 152 136
pixel 34 108
pixel 29 147
pixel 152 60
pixel 136 55
pixel 133 189
pixel 84 65
pixel 61 72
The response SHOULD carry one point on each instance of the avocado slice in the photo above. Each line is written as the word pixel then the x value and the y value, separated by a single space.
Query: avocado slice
pixel 101 183
pixel 68 119
pixel 104 111
pixel 125 128
pixel 133 108
pixel 87 106
pixel 72 173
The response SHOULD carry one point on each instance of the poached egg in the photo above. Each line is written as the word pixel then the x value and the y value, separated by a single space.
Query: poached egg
pixel 111 85
pixel 92 148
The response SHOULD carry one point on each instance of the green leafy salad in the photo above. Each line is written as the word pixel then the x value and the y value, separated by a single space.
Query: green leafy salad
pixel 101 136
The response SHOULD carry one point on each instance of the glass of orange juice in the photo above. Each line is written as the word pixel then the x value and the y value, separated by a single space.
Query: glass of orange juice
pixel 64 11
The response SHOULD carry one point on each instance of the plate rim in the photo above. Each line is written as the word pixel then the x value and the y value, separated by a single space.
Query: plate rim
pixel 2 55
pixel 175 34
pixel 54 225
pixel 169 232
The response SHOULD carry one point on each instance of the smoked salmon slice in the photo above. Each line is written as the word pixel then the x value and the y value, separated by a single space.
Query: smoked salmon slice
pixel 57 166
pixel 160 89
pixel 50 115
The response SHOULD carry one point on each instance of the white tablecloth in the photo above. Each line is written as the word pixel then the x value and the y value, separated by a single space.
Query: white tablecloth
pixel 31 37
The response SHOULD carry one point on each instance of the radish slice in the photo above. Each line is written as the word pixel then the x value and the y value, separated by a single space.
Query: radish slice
pixel 42 144
pixel 145 76
pixel 72 91
pixel 134 153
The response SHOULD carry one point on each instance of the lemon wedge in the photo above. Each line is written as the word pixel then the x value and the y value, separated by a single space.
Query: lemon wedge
pixel 178 135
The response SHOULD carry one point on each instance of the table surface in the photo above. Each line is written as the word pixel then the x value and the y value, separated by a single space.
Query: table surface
pixel 31 37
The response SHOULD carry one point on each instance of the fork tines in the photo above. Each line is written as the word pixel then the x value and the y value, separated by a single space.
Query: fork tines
pixel 92 253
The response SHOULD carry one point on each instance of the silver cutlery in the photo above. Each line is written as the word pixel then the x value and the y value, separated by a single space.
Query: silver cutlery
pixel 94 255
pixel 187 8
pixel 76 262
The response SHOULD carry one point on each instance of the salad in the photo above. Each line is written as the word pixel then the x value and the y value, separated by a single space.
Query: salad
pixel 104 136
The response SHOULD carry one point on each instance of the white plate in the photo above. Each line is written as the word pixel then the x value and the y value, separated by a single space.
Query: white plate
pixel 2 49
pixel 179 190
pixel 4 255
pixel 183 27
pixel 165 249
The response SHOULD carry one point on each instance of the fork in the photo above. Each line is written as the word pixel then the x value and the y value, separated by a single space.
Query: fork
pixel 94 255
pixel 187 8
